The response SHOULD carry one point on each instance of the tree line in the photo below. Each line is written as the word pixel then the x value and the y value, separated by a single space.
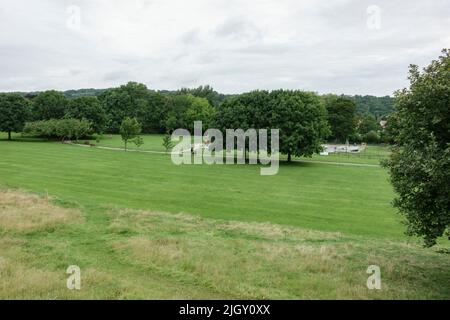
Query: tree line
pixel 164 111
pixel 157 112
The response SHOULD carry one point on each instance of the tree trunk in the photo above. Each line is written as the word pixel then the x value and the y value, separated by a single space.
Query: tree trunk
pixel 125 146
pixel 289 157
pixel 9 135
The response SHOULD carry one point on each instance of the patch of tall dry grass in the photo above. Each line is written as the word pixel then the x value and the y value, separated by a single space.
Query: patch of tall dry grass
pixel 23 212
pixel 251 260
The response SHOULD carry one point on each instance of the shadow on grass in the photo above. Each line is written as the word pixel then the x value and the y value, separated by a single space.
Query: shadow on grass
pixel 296 164
pixel 30 139
pixel 37 139
pixel 443 251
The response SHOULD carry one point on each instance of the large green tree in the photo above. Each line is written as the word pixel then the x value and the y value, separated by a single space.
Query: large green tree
pixel 49 105
pixel 199 109
pixel 420 162
pixel 153 114
pixel 175 110
pixel 244 111
pixel 182 110
pixel 14 111
pixel 129 100
pixel 300 117
pixel 88 108
pixel 135 100
pixel 249 110
pixel 302 120
pixel 341 117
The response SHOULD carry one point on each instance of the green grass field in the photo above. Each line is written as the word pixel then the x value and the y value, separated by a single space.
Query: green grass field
pixel 373 154
pixel 145 228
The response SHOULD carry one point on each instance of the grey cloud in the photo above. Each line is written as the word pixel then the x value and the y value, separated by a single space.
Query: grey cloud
pixel 191 37
pixel 116 75
pixel 314 45
pixel 239 29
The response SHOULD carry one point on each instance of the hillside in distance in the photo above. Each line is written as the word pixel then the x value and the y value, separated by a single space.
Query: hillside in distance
pixel 365 104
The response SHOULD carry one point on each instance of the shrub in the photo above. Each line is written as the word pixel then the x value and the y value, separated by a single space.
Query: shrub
pixel 61 129
pixel 371 137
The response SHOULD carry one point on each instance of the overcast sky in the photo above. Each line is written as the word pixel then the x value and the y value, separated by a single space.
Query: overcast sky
pixel 339 46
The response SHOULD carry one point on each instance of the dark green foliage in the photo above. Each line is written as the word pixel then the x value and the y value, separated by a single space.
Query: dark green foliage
pixel 129 100
pixel 157 111
pixel 198 109
pixel 49 105
pixel 207 92
pixel 341 117
pixel 371 137
pixel 134 100
pixel 300 116
pixel 247 110
pixel 88 108
pixel 420 162
pixel 165 111
pixel 153 114
pixel 183 110
pixel 367 123
pixel 175 111
pixel 171 123
pixel 72 94
pixel 390 131
pixel 14 111
pixel 371 105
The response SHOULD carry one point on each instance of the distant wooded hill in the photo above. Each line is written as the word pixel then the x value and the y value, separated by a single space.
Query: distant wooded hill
pixel 377 106
pixel 365 105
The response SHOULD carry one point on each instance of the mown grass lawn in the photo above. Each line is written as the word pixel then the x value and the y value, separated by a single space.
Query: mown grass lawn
pixel 206 231
pixel 322 197
pixel 373 154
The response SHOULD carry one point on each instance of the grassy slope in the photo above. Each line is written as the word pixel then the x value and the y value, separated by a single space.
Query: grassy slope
pixel 127 254
pixel 323 197
pixel 140 254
